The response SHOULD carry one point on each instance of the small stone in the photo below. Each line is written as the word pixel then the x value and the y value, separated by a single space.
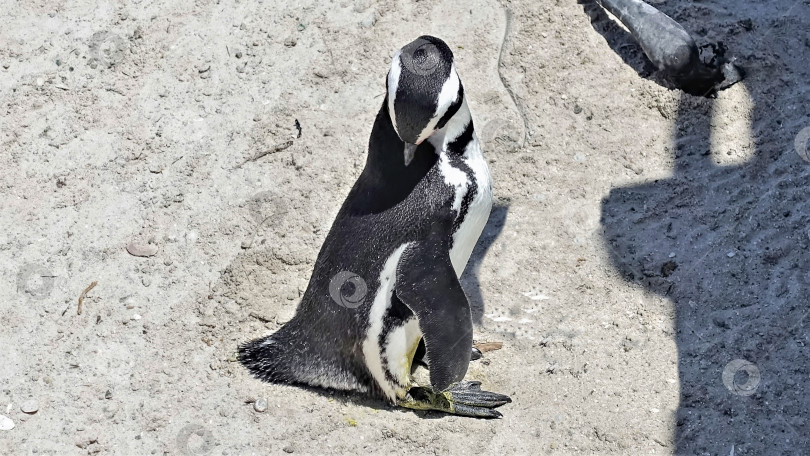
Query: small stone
pixel 260 405
pixel 5 423
pixel 668 268
pixel 288 449
pixel 142 250
pixel 238 54
pixel 290 42
pixel 108 395
pixel 577 109
pixel 730 254
pixel 30 406
pixel 245 244
pixel 146 281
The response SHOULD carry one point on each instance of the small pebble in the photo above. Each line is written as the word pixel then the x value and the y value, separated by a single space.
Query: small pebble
pixel 30 406
pixel 5 423
pixel 238 54
pixel 730 254
pixel 288 449
pixel 108 395
pixel 260 405
pixel 142 250
pixel 290 42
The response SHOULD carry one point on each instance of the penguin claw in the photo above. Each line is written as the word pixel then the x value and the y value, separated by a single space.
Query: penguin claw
pixel 464 398
pixel 476 412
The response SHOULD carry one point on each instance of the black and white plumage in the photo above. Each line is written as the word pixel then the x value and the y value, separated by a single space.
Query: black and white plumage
pixel 404 234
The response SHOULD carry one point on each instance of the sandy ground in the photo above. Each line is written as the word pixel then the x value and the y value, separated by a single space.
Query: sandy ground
pixel 646 267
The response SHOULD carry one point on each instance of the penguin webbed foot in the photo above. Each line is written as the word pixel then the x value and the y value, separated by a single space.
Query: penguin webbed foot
pixel 464 398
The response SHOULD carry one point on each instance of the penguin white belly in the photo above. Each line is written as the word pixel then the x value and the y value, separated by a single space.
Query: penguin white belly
pixel 465 238
pixel 373 352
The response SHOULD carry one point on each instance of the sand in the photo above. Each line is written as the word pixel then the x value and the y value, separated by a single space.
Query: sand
pixel 646 266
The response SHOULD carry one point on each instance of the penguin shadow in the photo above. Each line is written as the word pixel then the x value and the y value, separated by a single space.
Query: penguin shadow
pixel 729 246
pixel 469 279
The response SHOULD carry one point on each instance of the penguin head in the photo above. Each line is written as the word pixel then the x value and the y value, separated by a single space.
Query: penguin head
pixel 424 91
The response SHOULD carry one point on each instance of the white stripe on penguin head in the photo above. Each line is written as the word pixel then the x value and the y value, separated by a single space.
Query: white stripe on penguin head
pixel 447 96
pixel 393 84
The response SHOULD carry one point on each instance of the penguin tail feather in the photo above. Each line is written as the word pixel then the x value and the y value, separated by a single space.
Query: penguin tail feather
pixel 264 358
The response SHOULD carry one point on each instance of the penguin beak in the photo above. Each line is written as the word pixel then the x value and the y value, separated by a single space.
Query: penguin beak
pixel 410 151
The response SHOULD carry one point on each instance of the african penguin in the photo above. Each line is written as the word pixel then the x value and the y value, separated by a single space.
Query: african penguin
pixel 385 286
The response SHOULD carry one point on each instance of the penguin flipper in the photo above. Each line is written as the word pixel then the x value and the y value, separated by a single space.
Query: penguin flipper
pixel 427 283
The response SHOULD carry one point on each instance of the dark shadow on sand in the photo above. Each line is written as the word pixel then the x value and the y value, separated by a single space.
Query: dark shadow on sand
pixel 730 247
pixel 619 40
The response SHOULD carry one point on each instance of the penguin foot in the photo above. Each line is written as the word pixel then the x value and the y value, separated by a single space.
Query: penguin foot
pixel 464 398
